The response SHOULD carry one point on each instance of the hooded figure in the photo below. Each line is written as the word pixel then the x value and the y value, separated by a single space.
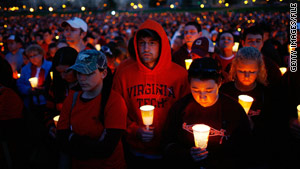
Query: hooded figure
pixel 153 79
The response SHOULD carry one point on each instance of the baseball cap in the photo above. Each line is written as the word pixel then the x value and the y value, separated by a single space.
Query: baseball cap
pixel 200 46
pixel 15 38
pixel 75 22
pixel 11 37
pixel 88 61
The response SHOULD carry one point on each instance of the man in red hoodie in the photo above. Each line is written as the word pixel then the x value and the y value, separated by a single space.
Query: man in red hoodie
pixel 153 79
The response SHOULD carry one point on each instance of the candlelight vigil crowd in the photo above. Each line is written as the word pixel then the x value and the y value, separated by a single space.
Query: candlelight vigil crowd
pixel 149 90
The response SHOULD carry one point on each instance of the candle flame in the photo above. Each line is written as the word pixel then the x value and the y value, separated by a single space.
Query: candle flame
pixel 188 63
pixel 55 119
pixel 283 70
pixel 201 127
pixel 147 108
pixel 235 47
pixel 246 98
pixel 298 108
pixel 51 75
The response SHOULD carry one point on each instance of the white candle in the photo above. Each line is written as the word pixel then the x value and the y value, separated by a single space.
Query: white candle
pixel 201 134
pixel 283 70
pixel 55 119
pixel 98 47
pixel 246 102
pixel 33 81
pixel 188 63
pixel 235 47
pixel 147 114
pixel 51 75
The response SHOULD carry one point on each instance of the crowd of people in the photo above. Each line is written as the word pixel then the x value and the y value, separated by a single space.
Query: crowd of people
pixel 95 71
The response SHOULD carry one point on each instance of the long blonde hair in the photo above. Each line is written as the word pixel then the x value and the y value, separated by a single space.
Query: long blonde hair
pixel 249 53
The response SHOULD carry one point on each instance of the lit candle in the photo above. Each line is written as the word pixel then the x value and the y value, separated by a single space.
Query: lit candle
pixel 33 81
pixel 298 108
pixel 283 70
pixel 235 47
pixel 188 63
pixel 55 119
pixel 51 75
pixel 19 75
pixel 98 47
pixel 246 102
pixel 147 115
pixel 201 134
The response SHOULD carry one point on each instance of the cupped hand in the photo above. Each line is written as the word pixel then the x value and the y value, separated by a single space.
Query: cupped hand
pixel 145 135
pixel 198 154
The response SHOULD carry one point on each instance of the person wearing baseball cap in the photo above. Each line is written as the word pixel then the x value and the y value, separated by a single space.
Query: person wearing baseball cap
pixel 14 56
pixel 200 48
pixel 91 130
pixel 75 29
pixel 192 30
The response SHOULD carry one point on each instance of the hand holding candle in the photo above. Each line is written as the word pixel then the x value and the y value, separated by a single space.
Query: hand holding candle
pixel 147 115
pixel 201 133
pixel 246 102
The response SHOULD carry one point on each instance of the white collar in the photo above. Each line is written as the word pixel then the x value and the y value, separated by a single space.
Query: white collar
pixel 227 58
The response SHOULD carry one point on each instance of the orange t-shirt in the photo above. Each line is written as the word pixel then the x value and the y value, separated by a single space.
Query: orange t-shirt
pixel 85 122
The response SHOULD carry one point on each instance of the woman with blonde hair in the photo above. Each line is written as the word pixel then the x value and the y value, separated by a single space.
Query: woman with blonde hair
pixel 249 77
pixel 248 54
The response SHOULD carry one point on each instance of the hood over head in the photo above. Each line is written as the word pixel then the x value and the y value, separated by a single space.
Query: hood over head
pixel 165 49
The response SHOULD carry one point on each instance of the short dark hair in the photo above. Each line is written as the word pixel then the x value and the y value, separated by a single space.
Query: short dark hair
pixel 38 35
pixel 148 33
pixel 64 56
pixel 47 31
pixel 205 69
pixel 255 30
pixel 34 48
pixel 220 34
pixel 197 25
pixel 52 45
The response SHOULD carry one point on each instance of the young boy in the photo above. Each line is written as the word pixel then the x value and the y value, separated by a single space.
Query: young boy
pixel 92 121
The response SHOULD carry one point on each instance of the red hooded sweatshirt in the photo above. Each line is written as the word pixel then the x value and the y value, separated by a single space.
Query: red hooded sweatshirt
pixel 161 87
